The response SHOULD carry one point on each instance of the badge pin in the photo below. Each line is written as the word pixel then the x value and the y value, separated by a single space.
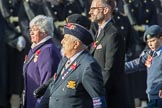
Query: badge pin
pixel 99 46
pixel 71 84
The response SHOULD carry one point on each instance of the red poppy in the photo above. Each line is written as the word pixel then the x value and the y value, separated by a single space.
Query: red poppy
pixel 70 26
pixel 95 44
pixel 148 61
pixel 73 66
pixel 149 58
pixel 37 52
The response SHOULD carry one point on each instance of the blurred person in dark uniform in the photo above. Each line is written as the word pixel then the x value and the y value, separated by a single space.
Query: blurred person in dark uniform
pixel 4 91
pixel 79 19
pixel 78 82
pixel 123 25
pixel 141 15
pixel 42 60
pixel 108 50
pixel 85 5
pixel 158 6
pixel 59 10
pixel 14 44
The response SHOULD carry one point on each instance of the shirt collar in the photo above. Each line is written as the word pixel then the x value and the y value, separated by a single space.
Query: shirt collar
pixel 75 56
pixel 42 41
pixel 102 26
pixel 158 51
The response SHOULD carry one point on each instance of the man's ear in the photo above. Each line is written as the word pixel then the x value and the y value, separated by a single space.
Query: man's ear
pixel 107 10
pixel 76 44
pixel 161 38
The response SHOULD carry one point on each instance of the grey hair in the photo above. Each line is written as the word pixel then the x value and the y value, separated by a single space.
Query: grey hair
pixel 110 3
pixel 44 23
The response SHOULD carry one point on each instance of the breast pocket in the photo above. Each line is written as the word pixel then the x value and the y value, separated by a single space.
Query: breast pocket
pixel 70 87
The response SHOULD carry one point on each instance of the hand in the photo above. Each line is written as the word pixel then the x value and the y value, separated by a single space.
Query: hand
pixel 160 93
pixel 39 92
pixel 21 43
pixel 139 28
pixel 13 19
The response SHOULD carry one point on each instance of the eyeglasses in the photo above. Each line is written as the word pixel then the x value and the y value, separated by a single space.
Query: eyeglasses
pixel 93 8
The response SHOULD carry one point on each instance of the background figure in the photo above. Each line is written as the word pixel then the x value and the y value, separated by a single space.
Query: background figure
pixel 14 44
pixel 79 19
pixel 141 15
pixel 42 60
pixel 108 50
pixel 4 91
pixel 158 6
pixel 123 25
pixel 78 81
pixel 150 60
pixel 59 10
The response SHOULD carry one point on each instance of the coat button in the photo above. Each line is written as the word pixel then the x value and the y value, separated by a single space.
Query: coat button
pixel 56 99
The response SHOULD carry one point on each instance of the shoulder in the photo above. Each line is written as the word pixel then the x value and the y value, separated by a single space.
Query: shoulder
pixel 86 58
pixel 49 49
pixel 110 27
pixel 49 45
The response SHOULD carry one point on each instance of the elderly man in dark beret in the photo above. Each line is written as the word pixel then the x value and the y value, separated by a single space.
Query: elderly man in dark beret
pixel 78 82
pixel 152 61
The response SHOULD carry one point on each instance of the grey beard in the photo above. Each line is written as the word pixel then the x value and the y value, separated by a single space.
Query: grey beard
pixel 62 51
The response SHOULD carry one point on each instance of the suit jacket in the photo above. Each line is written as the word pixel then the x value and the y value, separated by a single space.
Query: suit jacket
pixel 40 65
pixel 82 87
pixel 108 50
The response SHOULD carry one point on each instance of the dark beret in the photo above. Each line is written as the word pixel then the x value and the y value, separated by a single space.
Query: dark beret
pixel 79 32
pixel 152 31
pixel 79 19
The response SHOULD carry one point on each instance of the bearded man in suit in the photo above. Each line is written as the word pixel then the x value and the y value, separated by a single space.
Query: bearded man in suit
pixel 108 50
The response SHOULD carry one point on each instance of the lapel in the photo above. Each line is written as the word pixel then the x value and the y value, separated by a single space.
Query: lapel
pixel 100 37
pixel 59 79
pixel 60 67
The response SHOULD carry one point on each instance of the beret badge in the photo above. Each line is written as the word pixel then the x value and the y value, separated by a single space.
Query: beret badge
pixel 148 36
pixel 70 26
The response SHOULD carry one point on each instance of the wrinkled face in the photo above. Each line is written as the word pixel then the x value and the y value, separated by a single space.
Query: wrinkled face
pixel 68 45
pixel 97 11
pixel 154 43
pixel 35 34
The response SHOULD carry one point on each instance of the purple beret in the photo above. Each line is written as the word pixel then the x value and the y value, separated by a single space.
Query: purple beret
pixel 79 32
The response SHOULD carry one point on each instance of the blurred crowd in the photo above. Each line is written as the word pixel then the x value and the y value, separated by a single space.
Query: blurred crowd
pixel 132 18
